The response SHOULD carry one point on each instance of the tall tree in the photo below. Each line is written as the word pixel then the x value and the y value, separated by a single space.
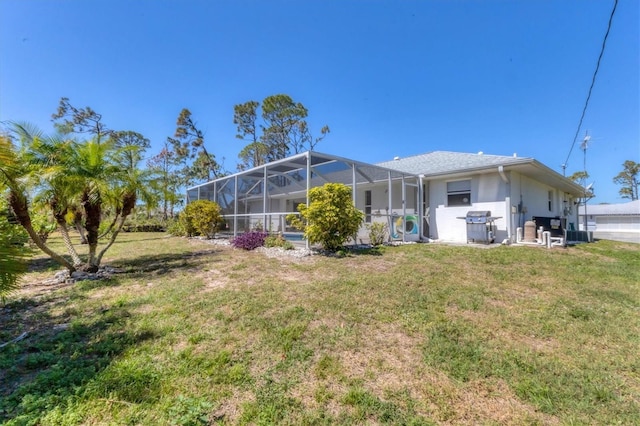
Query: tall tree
pixel 245 117
pixel 69 119
pixel 628 178
pixel 165 181
pixel 581 178
pixel 284 125
pixel 131 146
pixel 284 130
pixel 189 146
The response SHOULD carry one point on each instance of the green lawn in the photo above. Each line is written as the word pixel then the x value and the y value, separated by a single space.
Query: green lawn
pixel 192 333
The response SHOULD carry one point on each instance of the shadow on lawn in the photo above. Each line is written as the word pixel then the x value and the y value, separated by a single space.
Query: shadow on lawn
pixel 124 240
pixel 62 358
pixel 363 251
pixel 66 355
pixel 161 264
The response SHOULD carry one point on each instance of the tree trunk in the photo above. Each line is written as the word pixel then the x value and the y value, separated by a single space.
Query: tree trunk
pixel 62 227
pixel 77 222
pixel 93 210
pixel 20 208
pixel 129 202
pixel 165 208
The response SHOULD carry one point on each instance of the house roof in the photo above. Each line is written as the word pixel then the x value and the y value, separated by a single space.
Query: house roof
pixel 445 164
pixel 622 209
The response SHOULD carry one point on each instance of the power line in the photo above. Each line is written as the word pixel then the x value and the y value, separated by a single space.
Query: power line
pixel 593 81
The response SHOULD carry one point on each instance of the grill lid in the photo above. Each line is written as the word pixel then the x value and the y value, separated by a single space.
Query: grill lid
pixel 479 213
pixel 479 216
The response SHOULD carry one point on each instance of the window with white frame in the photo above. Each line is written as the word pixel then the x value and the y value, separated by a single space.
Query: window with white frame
pixel 367 206
pixel 459 193
pixel 550 200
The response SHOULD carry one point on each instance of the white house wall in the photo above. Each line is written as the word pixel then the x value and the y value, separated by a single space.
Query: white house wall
pixel 487 193
pixel 535 198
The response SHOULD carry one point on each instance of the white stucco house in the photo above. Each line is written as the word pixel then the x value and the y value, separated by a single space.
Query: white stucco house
pixel 421 197
pixel 618 222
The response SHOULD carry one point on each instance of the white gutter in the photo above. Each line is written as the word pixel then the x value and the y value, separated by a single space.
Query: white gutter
pixel 507 200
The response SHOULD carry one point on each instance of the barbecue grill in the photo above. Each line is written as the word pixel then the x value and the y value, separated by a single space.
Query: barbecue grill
pixel 480 226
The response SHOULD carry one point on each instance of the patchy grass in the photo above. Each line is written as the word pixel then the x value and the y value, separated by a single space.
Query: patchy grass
pixel 192 333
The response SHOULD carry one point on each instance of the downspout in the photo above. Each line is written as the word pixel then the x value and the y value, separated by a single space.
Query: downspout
pixel 507 200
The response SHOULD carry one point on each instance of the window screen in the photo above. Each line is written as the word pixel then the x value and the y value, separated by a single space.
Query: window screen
pixel 459 193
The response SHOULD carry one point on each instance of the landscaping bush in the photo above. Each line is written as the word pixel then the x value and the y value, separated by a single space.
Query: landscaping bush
pixel 201 217
pixel 377 233
pixel 142 223
pixel 278 241
pixel 250 240
pixel 331 218
pixel 176 228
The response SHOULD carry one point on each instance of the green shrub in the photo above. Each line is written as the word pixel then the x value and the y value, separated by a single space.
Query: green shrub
pixel 142 223
pixel 377 233
pixel 331 218
pixel 176 228
pixel 278 241
pixel 201 217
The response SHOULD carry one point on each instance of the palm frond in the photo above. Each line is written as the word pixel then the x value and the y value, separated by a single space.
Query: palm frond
pixel 12 266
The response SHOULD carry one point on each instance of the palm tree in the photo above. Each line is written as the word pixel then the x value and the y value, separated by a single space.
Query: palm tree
pixel 45 156
pixel 15 170
pixel 127 196
pixel 90 170
pixel 104 181
pixel 68 176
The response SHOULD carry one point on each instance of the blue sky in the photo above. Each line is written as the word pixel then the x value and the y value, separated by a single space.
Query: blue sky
pixel 390 78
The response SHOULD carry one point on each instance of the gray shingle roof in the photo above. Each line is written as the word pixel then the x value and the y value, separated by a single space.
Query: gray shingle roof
pixel 630 208
pixel 444 162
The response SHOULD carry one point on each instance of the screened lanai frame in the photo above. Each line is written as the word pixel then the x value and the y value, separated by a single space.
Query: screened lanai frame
pixel 248 204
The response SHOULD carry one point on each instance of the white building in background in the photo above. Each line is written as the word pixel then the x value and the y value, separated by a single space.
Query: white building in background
pixel 421 197
pixel 619 222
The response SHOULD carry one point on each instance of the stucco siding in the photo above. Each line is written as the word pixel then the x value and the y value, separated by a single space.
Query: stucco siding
pixel 487 193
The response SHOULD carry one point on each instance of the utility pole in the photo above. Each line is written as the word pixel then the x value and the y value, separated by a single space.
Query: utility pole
pixel 584 146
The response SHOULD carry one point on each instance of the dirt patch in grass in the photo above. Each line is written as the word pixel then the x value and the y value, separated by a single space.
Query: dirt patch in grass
pixel 230 407
pixel 493 401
